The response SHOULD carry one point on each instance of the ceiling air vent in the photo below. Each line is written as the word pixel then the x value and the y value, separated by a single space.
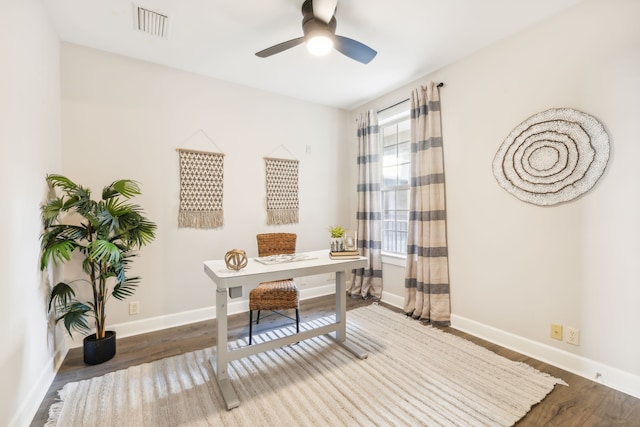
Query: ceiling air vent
pixel 151 22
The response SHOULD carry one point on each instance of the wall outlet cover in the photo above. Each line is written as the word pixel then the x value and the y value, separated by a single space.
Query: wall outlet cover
pixel 556 331
pixel 572 335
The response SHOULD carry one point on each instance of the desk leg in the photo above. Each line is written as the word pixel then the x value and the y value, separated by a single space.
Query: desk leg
pixel 222 360
pixel 341 306
pixel 341 316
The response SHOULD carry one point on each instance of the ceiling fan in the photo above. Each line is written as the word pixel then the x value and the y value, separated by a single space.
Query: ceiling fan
pixel 319 28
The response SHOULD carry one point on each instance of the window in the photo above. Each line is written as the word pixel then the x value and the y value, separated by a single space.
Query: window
pixel 395 132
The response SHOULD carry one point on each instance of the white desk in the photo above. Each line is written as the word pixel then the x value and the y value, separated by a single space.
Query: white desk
pixel 254 273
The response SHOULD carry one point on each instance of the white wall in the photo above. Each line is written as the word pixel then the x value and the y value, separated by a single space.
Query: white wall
pixel 515 267
pixel 124 118
pixel 29 149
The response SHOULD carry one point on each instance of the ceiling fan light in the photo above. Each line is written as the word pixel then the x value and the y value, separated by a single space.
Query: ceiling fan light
pixel 319 44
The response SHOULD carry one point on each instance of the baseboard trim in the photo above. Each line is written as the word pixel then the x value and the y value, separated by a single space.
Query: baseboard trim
pixel 392 299
pixel 29 407
pixel 609 376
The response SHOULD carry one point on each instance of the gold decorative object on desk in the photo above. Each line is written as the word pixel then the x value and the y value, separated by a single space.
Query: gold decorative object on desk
pixel 236 259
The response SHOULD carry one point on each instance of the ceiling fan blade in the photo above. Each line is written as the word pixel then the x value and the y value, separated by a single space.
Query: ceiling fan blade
pixel 324 9
pixel 281 47
pixel 354 49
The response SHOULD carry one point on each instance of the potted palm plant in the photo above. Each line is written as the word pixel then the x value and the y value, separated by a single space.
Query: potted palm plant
pixel 106 233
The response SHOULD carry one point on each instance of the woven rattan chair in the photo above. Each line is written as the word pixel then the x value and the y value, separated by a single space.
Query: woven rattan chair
pixel 278 295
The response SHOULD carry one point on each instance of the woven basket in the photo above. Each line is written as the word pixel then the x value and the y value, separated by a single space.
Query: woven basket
pixel 276 244
pixel 281 294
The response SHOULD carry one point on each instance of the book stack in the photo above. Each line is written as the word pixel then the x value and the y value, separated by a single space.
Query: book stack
pixel 344 255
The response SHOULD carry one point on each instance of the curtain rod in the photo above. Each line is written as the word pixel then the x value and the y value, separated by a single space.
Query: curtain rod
pixel 404 100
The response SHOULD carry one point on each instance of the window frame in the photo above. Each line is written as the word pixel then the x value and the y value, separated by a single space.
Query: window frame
pixel 393 116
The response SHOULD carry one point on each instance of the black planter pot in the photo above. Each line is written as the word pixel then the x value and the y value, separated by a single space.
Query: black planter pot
pixel 99 350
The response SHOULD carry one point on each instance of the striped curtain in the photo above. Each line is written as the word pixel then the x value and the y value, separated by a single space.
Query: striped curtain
pixel 427 270
pixel 366 282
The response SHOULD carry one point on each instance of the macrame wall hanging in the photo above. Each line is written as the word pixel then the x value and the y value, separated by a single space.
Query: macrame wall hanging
pixel 201 184
pixel 201 179
pixel 552 157
pixel 282 190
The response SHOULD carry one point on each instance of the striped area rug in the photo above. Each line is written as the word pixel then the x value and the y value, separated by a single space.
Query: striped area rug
pixel 414 375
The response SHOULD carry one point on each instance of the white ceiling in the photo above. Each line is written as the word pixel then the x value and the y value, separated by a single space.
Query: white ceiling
pixel 218 38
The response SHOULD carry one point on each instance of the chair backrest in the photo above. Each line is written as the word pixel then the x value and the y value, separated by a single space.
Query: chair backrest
pixel 276 244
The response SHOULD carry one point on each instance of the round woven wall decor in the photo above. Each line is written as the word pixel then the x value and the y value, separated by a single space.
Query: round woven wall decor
pixel 552 157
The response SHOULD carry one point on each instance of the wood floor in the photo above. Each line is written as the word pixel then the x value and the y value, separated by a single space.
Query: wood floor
pixel 583 403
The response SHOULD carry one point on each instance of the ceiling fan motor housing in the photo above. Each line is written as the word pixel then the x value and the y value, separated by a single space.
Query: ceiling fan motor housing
pixel 313 26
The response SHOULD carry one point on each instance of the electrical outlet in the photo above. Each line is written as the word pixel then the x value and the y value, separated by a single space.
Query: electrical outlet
pixel 572 336
pixel 134 308
pixel 556 332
